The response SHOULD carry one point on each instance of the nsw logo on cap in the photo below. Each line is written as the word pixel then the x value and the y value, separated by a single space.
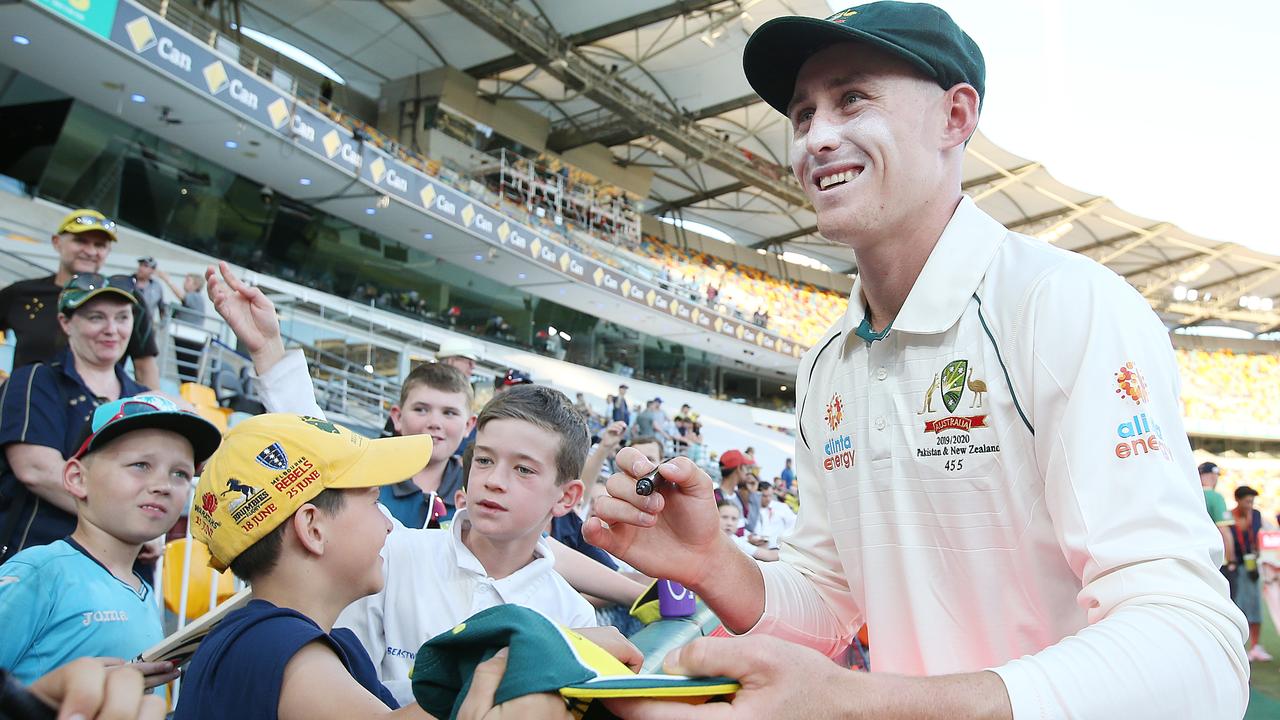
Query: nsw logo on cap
pixel 273 457
pixel 842 16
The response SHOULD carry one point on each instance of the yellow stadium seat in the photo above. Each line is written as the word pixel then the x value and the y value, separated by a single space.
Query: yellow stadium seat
pixel 198 394
pixel 200 576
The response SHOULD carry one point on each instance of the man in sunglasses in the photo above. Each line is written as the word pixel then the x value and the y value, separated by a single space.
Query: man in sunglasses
pixel 30 307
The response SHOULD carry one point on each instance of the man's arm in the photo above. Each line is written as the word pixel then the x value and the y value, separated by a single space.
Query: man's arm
pixel 1163 638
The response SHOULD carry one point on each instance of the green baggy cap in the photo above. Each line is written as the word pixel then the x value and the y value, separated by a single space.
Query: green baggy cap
pixel 543 657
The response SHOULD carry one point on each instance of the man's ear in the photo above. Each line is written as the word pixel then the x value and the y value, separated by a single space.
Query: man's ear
pixel 74 477
pixel 471 424
pixel 571 493
pixel 395 418
pixel 962 105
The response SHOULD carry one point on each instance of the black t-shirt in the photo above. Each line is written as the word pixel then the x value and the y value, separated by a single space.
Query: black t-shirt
pixel 30 309
pixel 238 670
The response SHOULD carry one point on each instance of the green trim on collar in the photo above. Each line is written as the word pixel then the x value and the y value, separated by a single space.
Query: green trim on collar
pixel 865 332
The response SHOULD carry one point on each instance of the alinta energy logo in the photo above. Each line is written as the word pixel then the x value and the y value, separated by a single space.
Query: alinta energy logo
pixel 835 412
pixel 838 450
pixel 1131 384
pixel 1139 435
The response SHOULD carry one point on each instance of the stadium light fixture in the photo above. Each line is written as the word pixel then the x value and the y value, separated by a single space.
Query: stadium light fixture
pixel 21 40
pixel 231 144
pixel 138 98
pixel 1180 292
pixel 368 368
pixel 479 257
pixel 428 236
pixel 304 181
pixel 294 53
pixel 566 336
pixel 1192 294
pixel 551 330
pixel 521 276
pixel 369 211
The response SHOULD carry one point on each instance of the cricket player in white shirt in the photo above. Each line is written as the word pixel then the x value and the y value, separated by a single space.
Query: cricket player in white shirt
pixel 997 481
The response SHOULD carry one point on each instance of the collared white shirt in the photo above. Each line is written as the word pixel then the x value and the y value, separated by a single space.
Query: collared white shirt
pixel 433 582
pixel 776 520
pixel 1003 481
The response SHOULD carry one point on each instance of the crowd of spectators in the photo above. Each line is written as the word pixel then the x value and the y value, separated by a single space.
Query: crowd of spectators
pixel 567 202
pixel 1226 386
pixel 586 589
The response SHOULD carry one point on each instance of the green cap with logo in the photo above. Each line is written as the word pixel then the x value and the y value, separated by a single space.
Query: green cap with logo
pixel 542 657
pixel 921 34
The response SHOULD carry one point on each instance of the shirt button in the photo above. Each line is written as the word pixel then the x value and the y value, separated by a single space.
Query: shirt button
pixel 880 423
pixel 882 374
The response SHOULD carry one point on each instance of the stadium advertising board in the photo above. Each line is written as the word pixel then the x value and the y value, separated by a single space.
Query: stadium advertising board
pixel 150 39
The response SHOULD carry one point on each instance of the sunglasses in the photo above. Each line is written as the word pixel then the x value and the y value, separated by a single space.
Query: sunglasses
pixel 89 220
pixel 106 414
pixel 94 281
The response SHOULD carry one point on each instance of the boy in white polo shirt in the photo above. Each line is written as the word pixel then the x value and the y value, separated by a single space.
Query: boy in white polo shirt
pixel 529 451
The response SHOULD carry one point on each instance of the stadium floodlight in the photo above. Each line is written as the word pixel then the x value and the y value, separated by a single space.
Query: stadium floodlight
pixel 138 98
pixel 231 144
pixel 294 53
pixel 304 181
pixel 369 211
pixel 551 330
pixel 1180 293
pixel 22 39
pixel 566 336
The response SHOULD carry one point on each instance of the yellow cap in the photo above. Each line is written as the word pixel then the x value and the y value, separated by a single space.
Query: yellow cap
pixel 86 220
pixel 270 465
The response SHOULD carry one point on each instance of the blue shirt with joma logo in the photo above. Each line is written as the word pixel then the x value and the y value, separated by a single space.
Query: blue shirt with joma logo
pixel 57 603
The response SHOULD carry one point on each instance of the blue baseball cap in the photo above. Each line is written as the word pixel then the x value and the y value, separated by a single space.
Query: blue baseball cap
pixel 113 419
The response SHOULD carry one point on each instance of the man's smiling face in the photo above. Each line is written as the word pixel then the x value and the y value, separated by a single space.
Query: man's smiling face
pixel 866 141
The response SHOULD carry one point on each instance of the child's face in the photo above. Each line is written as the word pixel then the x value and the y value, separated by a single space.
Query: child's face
pixel 442 415
pixel 134 488
pixel 362 530
pixel 511 489
pixel 729 517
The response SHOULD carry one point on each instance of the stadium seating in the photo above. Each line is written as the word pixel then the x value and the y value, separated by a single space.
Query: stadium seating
pixel 1227 387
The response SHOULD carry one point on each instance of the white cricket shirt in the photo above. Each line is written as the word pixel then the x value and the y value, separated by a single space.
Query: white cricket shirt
pixel 1004 482
pixel 433 582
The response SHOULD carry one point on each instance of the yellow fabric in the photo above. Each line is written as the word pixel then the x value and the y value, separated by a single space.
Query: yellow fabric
pixel 270 465
pixel 645 608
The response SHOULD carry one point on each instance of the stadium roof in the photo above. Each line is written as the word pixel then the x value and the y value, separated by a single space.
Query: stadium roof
pixel 660 83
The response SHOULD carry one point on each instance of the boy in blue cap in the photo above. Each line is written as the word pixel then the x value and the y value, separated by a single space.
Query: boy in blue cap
pixel 80 596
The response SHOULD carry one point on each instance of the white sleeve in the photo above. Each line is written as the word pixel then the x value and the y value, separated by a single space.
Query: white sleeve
pixel 806 596
pixel 1164 640
pixel 584 615
pixel 286 387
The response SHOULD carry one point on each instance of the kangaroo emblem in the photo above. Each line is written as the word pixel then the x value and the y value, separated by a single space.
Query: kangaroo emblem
pixel 928 397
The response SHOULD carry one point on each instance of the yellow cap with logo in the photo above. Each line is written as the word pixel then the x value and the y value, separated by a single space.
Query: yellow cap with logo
pixel 270 465
pixel 86 220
